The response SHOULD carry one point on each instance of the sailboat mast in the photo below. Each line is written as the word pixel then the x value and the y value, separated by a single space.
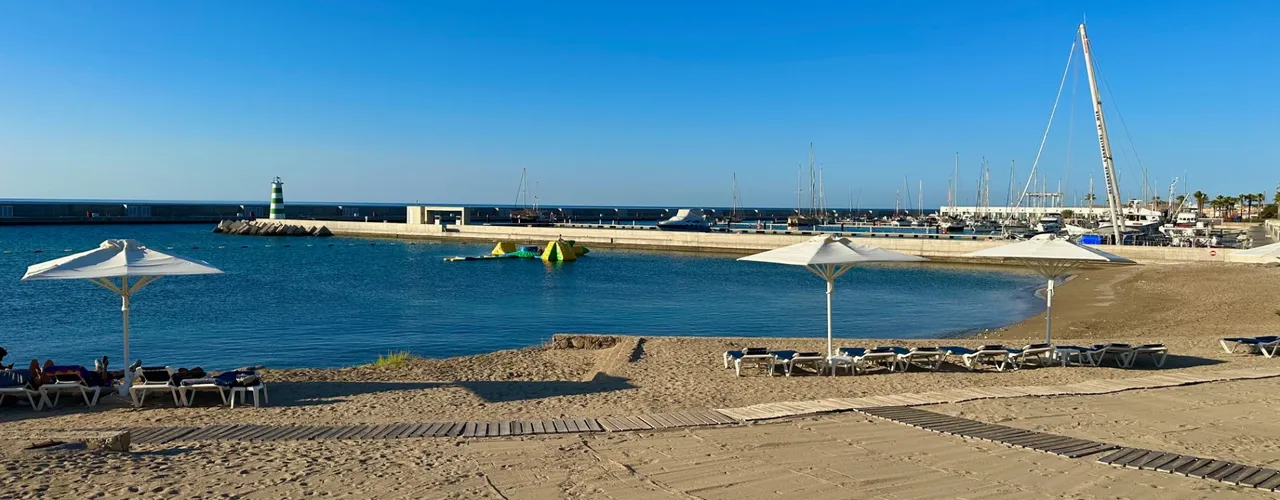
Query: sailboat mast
pixel 812 183
pixel 1104 142
pixel 799 189
pixel 1008 200
pixel 920 197
pixel 955 183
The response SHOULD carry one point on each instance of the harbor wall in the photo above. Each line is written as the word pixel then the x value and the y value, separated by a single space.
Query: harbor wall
pixel 937 247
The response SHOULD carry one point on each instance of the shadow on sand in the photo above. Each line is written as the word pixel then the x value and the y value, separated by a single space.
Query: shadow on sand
pixel 498 391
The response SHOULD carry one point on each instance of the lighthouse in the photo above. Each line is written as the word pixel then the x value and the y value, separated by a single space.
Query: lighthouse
pixel 277 199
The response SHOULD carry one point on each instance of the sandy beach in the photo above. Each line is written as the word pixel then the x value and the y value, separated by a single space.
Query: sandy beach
pixel 1187 307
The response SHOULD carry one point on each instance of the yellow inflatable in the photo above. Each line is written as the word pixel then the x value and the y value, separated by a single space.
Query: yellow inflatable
pixel 559 251
pixel 503 248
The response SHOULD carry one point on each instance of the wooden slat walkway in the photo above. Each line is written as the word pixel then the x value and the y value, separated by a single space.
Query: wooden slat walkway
pixel 787 409
pixel 692 418
pixel 1019 438
pixel 697 418
pixel 1069 447
pixel 1186 465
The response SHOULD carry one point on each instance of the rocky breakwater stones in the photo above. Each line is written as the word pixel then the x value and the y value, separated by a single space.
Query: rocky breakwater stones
pixel 262 228
pixel 575 341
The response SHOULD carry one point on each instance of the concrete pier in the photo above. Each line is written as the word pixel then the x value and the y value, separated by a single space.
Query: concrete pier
pixel 946 248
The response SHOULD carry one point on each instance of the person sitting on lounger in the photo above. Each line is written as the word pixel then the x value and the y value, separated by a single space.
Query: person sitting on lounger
pixel 100 376
pixel 4 353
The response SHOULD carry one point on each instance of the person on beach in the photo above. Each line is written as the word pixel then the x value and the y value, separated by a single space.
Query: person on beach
pixel 4 353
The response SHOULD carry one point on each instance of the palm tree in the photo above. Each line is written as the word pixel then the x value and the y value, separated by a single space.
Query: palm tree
pixel 1201 199
pixel 1246 199
pixel 1090 197
pixel 1218 204
pixel 1180 199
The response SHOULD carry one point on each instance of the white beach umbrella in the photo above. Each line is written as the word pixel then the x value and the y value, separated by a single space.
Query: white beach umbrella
pixel 829 257
pixel 1052 257
pixel 123 259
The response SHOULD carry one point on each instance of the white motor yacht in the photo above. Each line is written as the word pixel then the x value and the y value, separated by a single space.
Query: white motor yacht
pixel 686 219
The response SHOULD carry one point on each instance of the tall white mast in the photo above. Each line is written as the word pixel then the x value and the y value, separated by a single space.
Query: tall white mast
pixel 920 197
pixel 1104 143
pixel 813 188
pixel 955 181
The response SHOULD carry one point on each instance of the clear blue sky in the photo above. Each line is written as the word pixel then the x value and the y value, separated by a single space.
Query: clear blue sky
pixel 656 103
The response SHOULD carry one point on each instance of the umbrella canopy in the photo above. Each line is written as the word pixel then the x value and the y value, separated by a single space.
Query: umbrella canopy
pixel 123 259
pixel 1052 257
pixel 829 257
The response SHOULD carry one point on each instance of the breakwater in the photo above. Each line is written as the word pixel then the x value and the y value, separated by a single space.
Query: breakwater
pixel 40 212
pixel 939 247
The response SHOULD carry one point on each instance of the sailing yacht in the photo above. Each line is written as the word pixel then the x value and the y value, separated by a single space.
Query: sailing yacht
pixel 527 214
pixel 734 217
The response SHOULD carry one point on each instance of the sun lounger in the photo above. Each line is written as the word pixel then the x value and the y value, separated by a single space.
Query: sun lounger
pixel 188 387
pixel 751 356
pixel 791 359
pixel 150 379
pixel 1157 352
pixel 864 359
pixel 1040 353
pixel 1252 344
pixel 1269 347
pixel 925 357
pixel 1122 353
pixel 996 356
pixel 74 379
pixel 242 382
pixel 19 383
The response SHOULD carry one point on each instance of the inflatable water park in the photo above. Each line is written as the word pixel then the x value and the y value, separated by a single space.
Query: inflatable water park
pixel 554 251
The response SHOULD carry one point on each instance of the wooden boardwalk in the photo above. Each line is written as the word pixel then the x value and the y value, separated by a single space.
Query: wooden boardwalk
pixel 161 435
pixel 1019 438
pixel 1186 465
pixel 789 409
pixel 669 420
pixel 1069 447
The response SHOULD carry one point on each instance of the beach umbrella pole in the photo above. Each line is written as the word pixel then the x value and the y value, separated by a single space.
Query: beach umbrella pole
pixel 831 285
pixel 1048 312
pixel 124 310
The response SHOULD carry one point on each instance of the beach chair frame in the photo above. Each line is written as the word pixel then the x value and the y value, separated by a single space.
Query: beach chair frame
pixel 139 390
pixel 817 361
pixel 36 398
pixel 1042 354
pixel 70 382
pixel 1122 353
pixel 187 392
pixel 757 358
pixel 1157 352
pixel 928 358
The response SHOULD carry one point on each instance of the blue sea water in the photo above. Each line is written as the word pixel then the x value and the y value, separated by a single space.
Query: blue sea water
pixel 312 302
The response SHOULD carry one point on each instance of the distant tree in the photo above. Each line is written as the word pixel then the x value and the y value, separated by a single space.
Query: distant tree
pixel 1201 199
pixel 1180 199
pixel 1268 212
pixel 1090 197
pixel 1068 214
pixel 1219 205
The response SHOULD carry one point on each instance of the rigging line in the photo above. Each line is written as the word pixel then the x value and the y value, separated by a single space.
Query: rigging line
pixel 1075 83
pixel 1114 105
pixel 1045 137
